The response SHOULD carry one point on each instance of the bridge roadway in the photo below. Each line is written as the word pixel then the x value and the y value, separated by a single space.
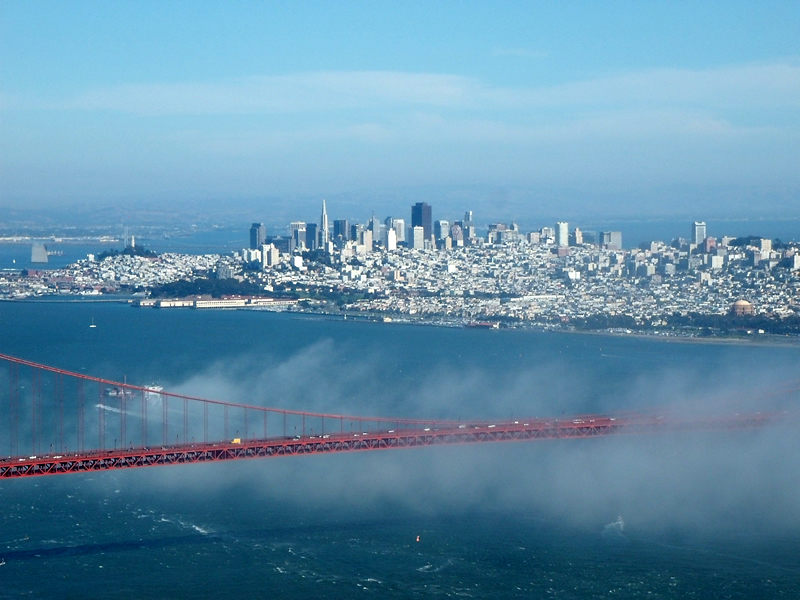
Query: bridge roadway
pixel 432 435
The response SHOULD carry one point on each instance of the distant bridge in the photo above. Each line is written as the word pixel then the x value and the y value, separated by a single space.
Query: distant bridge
pixel 54 421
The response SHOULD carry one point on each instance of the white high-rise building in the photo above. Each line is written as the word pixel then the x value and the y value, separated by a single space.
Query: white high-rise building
pixel 391 239
pixel 270 256
pixel 399 226
pixel 562 233
pixel 698 232
pixel 418 237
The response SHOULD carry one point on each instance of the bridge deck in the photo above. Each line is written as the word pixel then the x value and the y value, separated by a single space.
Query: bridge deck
pixel 578 427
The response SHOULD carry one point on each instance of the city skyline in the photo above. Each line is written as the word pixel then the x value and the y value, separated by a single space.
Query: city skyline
pixel 635 109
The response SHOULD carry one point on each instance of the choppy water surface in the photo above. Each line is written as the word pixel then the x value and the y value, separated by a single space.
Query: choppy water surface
pixel 705 515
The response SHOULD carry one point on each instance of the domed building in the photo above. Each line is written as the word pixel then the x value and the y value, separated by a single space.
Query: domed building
pixel 742 308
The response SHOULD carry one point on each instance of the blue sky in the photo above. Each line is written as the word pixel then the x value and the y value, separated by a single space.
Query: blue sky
pixel 637 106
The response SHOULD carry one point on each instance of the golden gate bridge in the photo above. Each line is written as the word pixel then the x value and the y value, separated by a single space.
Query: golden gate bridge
pixel 57 422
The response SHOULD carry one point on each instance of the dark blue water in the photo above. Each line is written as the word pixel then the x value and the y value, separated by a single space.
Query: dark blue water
pixel 714 515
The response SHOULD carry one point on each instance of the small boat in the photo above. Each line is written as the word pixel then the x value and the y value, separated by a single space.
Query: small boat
pixel 92 325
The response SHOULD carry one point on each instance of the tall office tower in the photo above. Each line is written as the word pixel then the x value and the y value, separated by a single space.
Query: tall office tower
pixel 298 232
pixel 457 234
pixel 388 223
pixel 421 217
pixel 355 232
pixel 468 226
pixel 366 239
pixel 399 226
pixel 391 239
pixel 312 236
pixel 441 229
pixel 258 235
pixel 577 237
pixel 341 228
pixel 324 231
pixel 698 232
pixel 418 237
pixel 374 225
pixel 562 233
pixel 284 244
pixel 612 240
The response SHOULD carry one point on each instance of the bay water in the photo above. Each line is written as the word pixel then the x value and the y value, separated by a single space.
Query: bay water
pixel 706 514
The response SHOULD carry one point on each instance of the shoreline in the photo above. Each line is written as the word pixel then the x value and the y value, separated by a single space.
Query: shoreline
pixel 758 339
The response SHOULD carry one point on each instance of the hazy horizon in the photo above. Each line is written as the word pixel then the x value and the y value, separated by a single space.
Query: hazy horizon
pixel 516 110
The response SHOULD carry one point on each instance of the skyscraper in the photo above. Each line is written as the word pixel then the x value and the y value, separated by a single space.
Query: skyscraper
pixel 457 234
pixel 441 229
pixel 562 233
pixel 391 239
pixel 421 217
pixel 367 240
pixel 612 240
pixel 298 231
pixel 312 236
pixel 258 234
pixel 418 237
pixel 698 232
pixel 374 225
pixel 324 232
pixel 355 232
pixel 341 228
pixel 399 226
pixel 468 225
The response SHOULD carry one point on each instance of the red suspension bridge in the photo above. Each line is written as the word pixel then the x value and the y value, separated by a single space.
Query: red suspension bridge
pixel 54 421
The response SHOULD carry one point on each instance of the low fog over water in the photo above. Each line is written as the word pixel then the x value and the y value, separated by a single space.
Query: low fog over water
pixel 725 480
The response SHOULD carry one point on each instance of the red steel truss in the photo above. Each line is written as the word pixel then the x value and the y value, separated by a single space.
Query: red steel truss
pixel 119 404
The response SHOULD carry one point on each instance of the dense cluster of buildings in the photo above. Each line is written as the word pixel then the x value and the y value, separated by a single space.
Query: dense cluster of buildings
pixel 442 270
pixel 423 233
pixel 114 274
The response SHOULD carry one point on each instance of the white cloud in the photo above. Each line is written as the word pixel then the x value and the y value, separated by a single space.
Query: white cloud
pixel 745 86
pixel 774 85
pixel 732 125
pixel 295 93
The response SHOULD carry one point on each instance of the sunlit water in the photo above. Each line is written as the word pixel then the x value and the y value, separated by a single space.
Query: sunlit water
pixel 714 515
